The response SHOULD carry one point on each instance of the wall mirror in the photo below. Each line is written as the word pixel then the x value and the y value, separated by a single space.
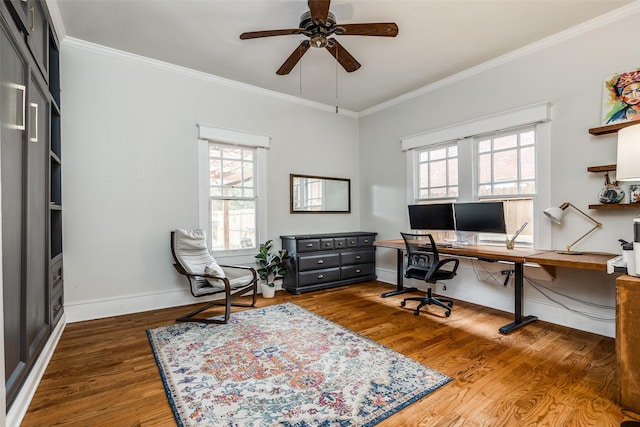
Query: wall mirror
pixel 319 194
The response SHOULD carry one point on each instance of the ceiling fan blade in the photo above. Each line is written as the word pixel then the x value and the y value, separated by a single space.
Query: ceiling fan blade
pixel 319 10
pixel 384 29
pixel 345 59
pixel 270 33
pixel 293 59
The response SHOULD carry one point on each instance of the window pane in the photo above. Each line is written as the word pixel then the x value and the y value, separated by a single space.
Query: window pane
pixel 233 224
pixel 438 173
pixel 484 146
pixel 452 151
pixel 527 138
pixel 505 166
pixel 505 188
pixel 438 154
pixel 453 171
pixel 423 156
pixel 232 153
pixel 424 175
pixel 453 192
pixel 438 192
pixel 484 168
pixel 528 163
pixel 507 141
pixel 484 190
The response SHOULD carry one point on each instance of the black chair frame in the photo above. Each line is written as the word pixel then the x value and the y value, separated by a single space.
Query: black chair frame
pixel 422 262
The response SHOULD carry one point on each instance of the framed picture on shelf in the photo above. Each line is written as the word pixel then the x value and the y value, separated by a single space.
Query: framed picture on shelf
pixel 621 97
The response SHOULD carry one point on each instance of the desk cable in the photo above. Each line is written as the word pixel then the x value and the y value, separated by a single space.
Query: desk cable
pixel 538 287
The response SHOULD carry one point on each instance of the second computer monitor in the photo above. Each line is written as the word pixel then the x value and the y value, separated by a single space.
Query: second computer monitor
pixel 484 217
pixel 435 216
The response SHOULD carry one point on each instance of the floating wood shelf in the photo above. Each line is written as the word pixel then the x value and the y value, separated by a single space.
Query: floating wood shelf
pixel 616 206
pixel 603 130
pixel 605 168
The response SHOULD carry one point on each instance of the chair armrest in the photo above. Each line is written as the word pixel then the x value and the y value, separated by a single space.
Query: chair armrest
pixel 244 267
pixel 455 262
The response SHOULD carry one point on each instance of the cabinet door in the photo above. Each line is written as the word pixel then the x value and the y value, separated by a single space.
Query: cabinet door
pixel 37 254
pixel 38 32
pixel 13 81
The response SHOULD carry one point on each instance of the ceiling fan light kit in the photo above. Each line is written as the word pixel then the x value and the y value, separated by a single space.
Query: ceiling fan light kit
pixel 319 25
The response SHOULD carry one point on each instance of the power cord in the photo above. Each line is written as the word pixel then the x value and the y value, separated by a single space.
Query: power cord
pixel 538 287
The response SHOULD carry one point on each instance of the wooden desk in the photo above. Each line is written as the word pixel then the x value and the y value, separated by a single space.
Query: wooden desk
pixel 517 256
pixel 585 261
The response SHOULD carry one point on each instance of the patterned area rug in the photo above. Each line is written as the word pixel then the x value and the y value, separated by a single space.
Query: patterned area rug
pixel 283 365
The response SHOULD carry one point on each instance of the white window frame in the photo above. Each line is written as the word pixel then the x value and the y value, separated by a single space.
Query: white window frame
pixel 232 137
pixel 429 162
pixel 535 115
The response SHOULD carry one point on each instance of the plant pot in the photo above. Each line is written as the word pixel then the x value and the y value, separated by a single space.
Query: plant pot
pixel 268 291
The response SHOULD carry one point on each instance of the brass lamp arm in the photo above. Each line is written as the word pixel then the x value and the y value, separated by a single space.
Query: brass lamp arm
pixel 596 226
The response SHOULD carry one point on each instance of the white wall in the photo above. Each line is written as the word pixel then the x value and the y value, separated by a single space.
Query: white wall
pixel 130 171
pixel 568 74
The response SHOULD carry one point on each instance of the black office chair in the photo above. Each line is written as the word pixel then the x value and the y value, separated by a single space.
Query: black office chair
pixel 422 262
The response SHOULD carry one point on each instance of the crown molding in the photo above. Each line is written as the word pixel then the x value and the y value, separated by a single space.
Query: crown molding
pixel 56 18
pixel 585 27
pixel 74 43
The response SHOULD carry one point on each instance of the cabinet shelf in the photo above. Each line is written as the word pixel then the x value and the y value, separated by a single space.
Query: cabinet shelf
pixel 603 130
pixel 616 206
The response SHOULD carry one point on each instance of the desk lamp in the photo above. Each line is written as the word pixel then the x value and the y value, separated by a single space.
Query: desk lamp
pixel 555 214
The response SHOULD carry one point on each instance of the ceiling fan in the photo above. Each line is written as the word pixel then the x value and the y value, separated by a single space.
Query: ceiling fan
pixel 319 25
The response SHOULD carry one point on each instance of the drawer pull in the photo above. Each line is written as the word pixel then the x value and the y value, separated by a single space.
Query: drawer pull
pixel 358 271
pixel 320 261
pixel 309 245
pixel 58 277
pixel 366 240
pixel 327 244
pixel 340 244
pixel 358 257
pixel 320 276
pixel 57 307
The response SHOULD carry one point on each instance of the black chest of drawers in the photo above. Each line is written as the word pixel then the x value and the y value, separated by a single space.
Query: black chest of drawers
pixel 322 261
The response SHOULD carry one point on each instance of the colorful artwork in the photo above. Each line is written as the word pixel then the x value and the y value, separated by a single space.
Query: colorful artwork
pixel 621 97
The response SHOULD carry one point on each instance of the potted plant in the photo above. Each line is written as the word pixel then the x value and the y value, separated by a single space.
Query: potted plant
pixel 272 267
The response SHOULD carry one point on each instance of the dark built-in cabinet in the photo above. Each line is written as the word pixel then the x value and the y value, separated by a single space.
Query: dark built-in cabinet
pixel 321 261
pixel 30 176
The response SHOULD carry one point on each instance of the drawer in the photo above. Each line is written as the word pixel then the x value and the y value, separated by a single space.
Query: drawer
pixel 314 262
pixel 307 245
pixel 318 276
pixel 57 308
pixel 340 243
pixel 365 240
pixel 352 242
pixel 353 271
pixel 326 244
pixel 55 277
pixel 357 257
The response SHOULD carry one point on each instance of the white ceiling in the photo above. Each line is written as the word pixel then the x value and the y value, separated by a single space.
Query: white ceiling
pixel 436 39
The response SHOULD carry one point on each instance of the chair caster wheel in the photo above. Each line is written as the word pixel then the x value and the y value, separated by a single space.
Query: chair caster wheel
pixel 402 304
pixel 448 313
pixel 416 313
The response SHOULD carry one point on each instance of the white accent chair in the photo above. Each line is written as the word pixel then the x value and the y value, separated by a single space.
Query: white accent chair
pixel 206 277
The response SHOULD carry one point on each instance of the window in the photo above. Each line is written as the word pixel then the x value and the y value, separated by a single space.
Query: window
pixel 491 167
pixel 506 171
pixel 437 172
pixel 232 197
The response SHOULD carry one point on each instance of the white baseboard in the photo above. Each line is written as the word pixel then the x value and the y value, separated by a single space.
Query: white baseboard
pixel 23 399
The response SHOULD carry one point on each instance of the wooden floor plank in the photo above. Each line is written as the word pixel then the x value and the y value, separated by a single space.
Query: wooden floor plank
pixel 103 372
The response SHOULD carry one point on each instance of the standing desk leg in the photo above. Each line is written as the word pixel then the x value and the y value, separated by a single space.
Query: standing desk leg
pixel 400 289
pixel 519 320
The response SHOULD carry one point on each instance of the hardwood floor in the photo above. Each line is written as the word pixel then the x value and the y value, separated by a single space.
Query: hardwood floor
pixel 103 372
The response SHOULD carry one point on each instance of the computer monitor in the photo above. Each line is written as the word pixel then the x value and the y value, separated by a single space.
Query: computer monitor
pixel 436 216
pixel 484 217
